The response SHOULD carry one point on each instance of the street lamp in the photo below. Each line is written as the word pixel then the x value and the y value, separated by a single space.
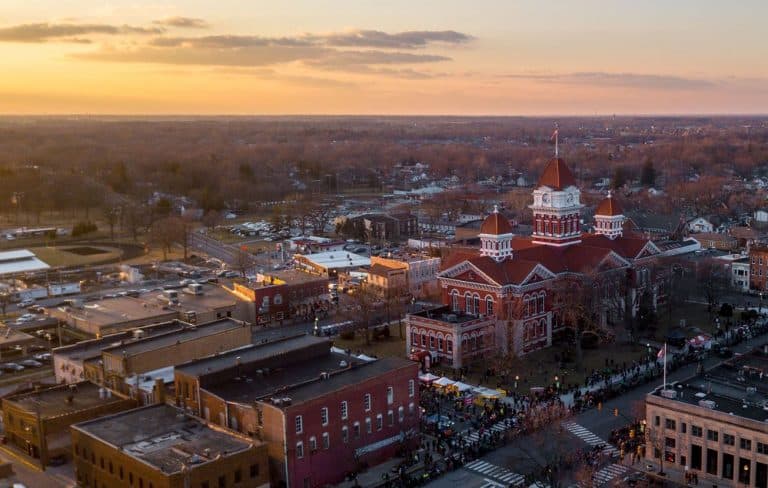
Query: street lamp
pixel 517 378
pixel 557 383
pixel 746 474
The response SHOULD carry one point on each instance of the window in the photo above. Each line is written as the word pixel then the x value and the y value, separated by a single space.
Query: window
pixel 312 444
pixel 657 421
pixel 431 342
pixel 476 308
pixel 488 306
pixel 423 340
pixel 455 301
pixel 326 440
pixel 222 481
pixel 390 418
pixel 356 430
pixel 324 415
pixel 411 408
pixel 449 345
pixel 762 448
pixel 121 472
pixel 729 440
pixel 401 413
pixel 379 422
pixel 683 427
pixel 696 431
pixel 238 476
pixel 368 428
pixel 669 442
pixel 299 450
pixel 299 424
pixel 367 402
pixel 390 395
pixel 344 410
pixel 345 434
pixel 254 470
pixel 712 435
pixel 411 388
pixel 745 444
pixel 468 303
pixel 670 424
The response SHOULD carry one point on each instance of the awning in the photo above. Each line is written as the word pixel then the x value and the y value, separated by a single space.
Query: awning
pixel 428 378
pixel 443 381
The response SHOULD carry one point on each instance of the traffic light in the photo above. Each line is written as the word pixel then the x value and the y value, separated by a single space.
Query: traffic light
pixel 599 406
pixel 615 412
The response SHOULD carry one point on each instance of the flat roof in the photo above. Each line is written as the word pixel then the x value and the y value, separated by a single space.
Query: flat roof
pixel 248 354
pixel 20 261
pixel 189 332
pixel 146 381
pixel 364 371
pixel 213 297
pixel 52 402
pixel 164 437
pixel 335 259
pixel 735 387
pixel 110 311
pixel 251 388
pixel 11 337
pixel 92 348
pixel 443 313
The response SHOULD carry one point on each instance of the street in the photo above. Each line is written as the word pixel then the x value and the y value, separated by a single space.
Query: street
pixel 528 454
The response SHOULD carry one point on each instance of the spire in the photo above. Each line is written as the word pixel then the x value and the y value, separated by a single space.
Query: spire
pixel 610 193
pixel 495 208
pixel 556 135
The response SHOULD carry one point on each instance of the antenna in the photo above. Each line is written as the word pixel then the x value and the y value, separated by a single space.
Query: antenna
pixel 557 136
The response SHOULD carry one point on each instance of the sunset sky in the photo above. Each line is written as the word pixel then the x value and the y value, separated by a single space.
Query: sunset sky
pixel 505 57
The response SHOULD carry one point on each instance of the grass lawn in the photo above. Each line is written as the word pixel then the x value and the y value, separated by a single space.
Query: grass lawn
pixel 59 256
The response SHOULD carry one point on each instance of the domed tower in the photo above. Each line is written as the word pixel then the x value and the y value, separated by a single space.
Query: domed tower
pixel 556 206
pixel 496 236
pixel 609 218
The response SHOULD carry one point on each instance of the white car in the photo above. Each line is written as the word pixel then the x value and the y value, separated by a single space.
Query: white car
pixel 26 303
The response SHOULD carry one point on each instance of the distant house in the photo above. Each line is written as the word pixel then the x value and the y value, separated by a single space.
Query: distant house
pixel 761 216
pixel 744 235
pixel 713 240
pixel 699 224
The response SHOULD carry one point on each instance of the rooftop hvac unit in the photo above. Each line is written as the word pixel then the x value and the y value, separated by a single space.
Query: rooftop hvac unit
pixel 751 390
pixel 671 394
pixel 707 404
pixel 286 401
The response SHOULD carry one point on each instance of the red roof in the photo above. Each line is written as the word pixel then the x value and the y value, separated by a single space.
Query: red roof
pixel 624 246
pixel 496 224
pixel 507 272
pixel 557 175
pixel 610 207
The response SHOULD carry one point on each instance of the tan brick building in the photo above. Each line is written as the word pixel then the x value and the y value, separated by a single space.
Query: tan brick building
pixel 162 447
pixel 37 424
pixel 714 425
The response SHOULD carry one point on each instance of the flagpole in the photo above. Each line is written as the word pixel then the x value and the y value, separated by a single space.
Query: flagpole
pixel 665 367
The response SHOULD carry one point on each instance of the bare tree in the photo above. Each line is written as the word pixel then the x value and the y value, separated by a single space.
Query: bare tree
pixel 166 232
pixel 112 215
pixel 244 261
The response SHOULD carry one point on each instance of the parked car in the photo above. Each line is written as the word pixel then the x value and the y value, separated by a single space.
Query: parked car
pixel 44 357
pixel 11 367
pixel 31 363
pixel 26 303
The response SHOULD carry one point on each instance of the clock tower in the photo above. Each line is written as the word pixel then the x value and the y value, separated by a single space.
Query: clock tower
pixel 556 206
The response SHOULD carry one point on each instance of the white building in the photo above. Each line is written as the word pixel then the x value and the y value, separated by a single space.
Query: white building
pixel 761 216
pixel 737 266
pixel 700 224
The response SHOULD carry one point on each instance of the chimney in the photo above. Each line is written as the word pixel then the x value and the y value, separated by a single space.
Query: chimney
pixel 159 390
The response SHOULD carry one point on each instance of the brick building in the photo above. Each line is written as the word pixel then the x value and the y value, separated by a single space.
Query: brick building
pixel 119 361
pixel 283 295
pixel 323 413
pixel 412 273
pixel 758 273
pixel 162 447
pixel 513 294
pixel 37 423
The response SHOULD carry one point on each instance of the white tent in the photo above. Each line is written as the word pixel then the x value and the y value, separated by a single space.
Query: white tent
pixel 443 381
pixel 428 377
pixel 462 386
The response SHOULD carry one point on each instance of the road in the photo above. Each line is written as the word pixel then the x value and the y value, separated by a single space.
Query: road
pixel 528 454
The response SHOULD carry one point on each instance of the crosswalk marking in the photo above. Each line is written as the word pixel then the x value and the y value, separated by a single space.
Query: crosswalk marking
pixel 496 472
pixel 491 484
pixel 608 473
pixel 590 438
pixel 474 434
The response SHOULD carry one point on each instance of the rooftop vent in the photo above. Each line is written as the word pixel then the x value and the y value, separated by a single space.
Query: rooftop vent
pixel 343 364
pixel 286 401
pixel 707 404
pixel 324 375
pixel 672 394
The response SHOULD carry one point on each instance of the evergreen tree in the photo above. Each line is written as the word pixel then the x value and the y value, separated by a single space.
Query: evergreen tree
pixel 648 173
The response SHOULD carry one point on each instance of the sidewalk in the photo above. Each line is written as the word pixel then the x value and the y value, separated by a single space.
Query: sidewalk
pixel 377 475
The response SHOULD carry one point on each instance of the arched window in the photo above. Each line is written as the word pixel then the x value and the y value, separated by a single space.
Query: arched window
pixel 455 300
pixel 467 303
pixel 541 302
pixel 489 305
pixel 476 307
